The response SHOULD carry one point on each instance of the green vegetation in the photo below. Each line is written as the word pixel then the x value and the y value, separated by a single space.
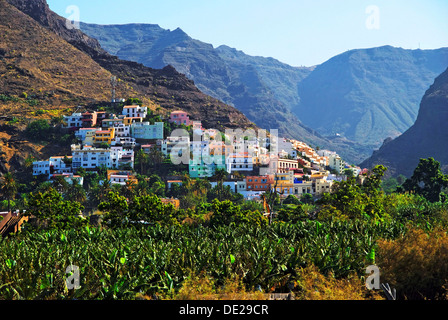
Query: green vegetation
pixel 38 130
pixel 144 248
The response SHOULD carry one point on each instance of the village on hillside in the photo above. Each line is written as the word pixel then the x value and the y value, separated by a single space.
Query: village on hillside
pixel 115 142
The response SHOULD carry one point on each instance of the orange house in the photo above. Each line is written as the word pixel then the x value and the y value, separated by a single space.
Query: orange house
pixel 259 183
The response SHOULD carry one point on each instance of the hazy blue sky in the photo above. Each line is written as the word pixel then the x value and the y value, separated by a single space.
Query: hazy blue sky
pixel 296 32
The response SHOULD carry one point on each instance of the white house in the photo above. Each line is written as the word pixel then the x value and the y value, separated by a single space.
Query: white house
pixel 54 165
pixel 200 148
pixel 90 157
pixel 73 121
pixel 41 167
pixel 177 144
pixel 122 130
pixel 239 162
pixel 335 162
pixel 126 142
pixel 135 111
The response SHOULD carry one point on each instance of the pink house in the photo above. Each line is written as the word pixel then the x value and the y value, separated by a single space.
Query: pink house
pixel 180 117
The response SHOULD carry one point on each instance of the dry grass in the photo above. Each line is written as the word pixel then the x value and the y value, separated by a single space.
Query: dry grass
pixel 416 264
pixel 313 285
pixel 203 287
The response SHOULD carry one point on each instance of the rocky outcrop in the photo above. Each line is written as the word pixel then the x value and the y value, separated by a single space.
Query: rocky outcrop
pixel 428 137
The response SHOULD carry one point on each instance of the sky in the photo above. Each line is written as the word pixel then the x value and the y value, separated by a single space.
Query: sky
pixel 296 32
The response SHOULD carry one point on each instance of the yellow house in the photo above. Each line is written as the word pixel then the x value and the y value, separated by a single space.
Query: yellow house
pixel 284 183
pixel 104 136
pixel 130 120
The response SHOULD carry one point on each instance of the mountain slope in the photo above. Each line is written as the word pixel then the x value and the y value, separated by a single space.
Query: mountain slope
pixel 364 95
pixel 215 71
pixel 35 61
pixel 165 87
pixel 368 95
pixel 262 88
pixel 428 137
pixel 221 73
pixel 47 70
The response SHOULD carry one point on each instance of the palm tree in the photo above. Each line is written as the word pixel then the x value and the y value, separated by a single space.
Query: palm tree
pixel 219 176
pixel 75 192
pixel 142 158
pixel 8 188
pixel 155 157
pixel 60 184
pixel 201 187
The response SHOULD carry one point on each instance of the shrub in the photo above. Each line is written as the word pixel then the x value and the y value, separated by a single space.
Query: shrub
pixel 38 130
pixel 416 264
pixel 204 287
pixel 312 285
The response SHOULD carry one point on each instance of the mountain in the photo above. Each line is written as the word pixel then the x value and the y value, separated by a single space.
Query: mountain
pixel 364 95
pixel 48 70
pixel 165 88
pixel 368 95
pixel 38 63
pixel 262 88
pixel 426 138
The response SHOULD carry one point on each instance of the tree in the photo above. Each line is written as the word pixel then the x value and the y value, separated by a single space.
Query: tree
pixel 8 188
pixel 349 173
pixel 151 209
pixel 29 161
pixel 116 209
pixel 38 130
pixel 155 157
pixel 133 101
pixel 75 192
pixel 306 198
pixel 427 180
pixel 226 213
pixel 50 207
pixel 141 158
pixel 201 187
pixel 373 191
pixel 291 199
pixel 148 208
pixel 158 188
pixel 347 199
pixel 219 175
pixel 57 121
pixel 60 184
pixel 292 215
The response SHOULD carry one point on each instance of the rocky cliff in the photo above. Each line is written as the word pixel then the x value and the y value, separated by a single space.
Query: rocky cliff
pixel 428 137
